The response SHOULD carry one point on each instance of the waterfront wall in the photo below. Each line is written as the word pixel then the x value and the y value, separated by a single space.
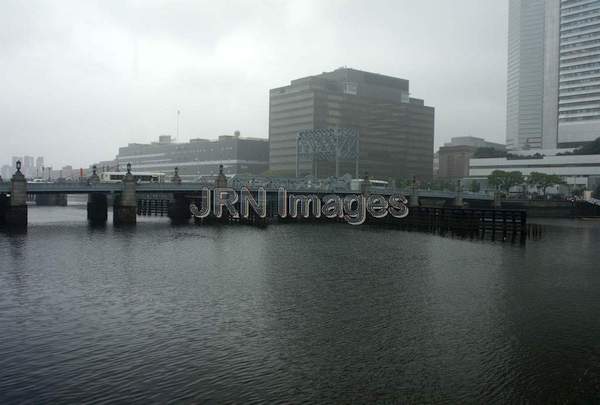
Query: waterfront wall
pixel 554 209
pixel 543 208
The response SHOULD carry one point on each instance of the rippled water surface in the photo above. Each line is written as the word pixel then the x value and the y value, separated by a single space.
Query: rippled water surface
pixel 294 313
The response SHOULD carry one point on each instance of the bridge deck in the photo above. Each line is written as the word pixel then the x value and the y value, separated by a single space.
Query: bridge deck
pixel 84 188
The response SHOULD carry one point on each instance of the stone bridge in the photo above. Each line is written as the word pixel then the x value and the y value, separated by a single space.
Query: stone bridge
pixel 125 195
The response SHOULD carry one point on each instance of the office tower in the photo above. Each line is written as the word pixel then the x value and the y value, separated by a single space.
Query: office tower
pixel 28 167
pixel 395 130
pixel 579 72
pixel 525 79
pixel 39 167
pixel 553 92
pixel 14 161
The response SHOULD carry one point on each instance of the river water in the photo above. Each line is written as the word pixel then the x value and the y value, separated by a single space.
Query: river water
pixel 295 312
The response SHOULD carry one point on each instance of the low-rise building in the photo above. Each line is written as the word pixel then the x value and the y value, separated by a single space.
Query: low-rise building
pixel 198 156
pixel 454 161
pixel 474 142
pixel 576 170
pixel 454 155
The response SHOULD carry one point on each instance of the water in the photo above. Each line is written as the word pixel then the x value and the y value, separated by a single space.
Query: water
pixel 295 313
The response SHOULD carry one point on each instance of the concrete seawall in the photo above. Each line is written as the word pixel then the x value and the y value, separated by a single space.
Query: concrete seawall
pixel 542 208
pixel 553 209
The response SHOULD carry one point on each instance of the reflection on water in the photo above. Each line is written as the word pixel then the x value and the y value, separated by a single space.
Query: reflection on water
pixel 294 312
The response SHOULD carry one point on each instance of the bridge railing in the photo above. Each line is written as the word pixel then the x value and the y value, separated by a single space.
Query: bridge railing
pixel 291 187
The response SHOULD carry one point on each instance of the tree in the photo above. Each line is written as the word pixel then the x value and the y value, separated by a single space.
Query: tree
pixel 515 178
pixel 403 183
pixel 438 184
pixel 496 179
pixel 543 181
pixel 474 187
pixel 502 180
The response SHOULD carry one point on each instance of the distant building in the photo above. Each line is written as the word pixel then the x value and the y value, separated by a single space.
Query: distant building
pixel 14 161
pixel 198 156
pixel 576 170
pixel 6 172
pixel 39 163
pixel 474 142
pixel 395 130
pixel 553 86
pixel 106 166
pixel 67 172
pixel 454 161
pixel 28 166
pixel 454 155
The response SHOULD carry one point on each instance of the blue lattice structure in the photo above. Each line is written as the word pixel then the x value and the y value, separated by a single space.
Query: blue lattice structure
pixel 328 144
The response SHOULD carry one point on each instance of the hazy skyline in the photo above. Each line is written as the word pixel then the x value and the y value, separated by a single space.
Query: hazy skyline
pixel 81 78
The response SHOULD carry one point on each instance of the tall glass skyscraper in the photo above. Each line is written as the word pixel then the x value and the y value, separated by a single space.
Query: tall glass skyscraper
pixel 553 94
pixel 579 80
pixel 525 90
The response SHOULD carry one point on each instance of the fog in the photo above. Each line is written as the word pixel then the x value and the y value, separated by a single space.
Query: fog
pixel 78 79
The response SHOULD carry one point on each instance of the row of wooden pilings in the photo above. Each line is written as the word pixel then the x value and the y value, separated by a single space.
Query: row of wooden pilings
pixel 153 207
pixel 493 224
pixel 481 223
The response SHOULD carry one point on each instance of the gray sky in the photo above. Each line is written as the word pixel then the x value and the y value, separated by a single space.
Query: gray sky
pixel 80 78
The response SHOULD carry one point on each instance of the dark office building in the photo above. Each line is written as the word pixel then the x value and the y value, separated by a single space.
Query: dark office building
pixel 198 156
pixel 395 130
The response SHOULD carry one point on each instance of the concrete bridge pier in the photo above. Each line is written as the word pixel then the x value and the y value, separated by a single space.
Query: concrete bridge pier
pixel 15 214
pixel 179 210
pixel 97 208
pixel 125 204
pixel 4 201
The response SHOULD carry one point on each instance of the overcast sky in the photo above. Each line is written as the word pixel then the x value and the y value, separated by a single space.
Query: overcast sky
pixel 80 78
